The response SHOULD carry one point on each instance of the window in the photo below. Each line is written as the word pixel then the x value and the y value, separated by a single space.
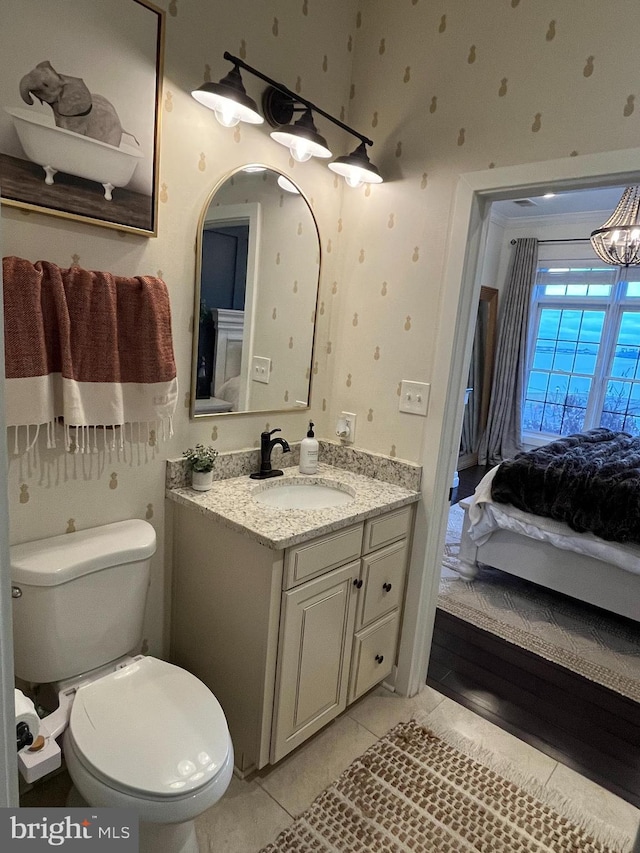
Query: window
pixel 583 362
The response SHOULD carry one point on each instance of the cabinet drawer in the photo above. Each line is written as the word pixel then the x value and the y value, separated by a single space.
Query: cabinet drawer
pixel 386 528
pixel 374 654
pixel 382 582
pixel 303 562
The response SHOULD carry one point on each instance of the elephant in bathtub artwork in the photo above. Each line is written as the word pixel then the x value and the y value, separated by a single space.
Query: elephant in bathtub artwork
pixel 87 139
pixel 74 106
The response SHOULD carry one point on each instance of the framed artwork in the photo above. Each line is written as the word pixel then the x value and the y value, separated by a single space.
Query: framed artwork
pixel 80 95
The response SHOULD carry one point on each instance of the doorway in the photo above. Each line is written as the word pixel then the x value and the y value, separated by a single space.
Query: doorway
pixel 222 286
pixel 493 677
pixel 468 228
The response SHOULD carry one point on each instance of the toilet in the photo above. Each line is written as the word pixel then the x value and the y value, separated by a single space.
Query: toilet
pixel 141 733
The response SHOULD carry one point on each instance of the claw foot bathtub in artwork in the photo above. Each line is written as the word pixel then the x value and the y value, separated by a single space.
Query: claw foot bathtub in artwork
pixel 60 150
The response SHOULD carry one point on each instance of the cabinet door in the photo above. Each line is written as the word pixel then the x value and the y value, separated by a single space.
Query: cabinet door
pixel 374 654
pixel 316 637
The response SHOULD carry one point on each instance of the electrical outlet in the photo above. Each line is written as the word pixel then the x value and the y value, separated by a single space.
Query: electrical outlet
pixel 414 397
pixel 261 369
pixel 346 427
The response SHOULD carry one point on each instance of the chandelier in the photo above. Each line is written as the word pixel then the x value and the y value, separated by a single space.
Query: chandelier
pixel 618 241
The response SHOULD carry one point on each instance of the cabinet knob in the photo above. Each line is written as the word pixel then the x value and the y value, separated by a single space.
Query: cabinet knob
pixel 358 583
pixel 386 587
pixel 379 658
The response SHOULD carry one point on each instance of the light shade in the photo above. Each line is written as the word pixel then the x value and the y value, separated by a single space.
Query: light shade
pixel 229 100
pixel 356 168
pixel 302 139
pixel 286 184
pixel 618 241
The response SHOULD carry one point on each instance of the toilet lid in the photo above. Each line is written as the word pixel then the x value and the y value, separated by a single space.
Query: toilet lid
pixel 151 727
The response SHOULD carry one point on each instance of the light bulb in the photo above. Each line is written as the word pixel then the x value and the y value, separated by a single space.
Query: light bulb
pixel 354 178
pixel 300 151
pixel 616 236
pixel 635 234
pixel 227 115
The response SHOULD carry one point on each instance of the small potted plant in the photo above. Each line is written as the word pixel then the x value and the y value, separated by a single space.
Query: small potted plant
pixel 200 460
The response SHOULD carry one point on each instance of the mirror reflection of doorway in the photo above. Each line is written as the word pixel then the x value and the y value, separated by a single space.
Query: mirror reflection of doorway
pixel 223 285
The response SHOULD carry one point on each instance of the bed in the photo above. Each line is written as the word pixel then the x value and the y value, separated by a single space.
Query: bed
pixel 577 485
pixel 227 357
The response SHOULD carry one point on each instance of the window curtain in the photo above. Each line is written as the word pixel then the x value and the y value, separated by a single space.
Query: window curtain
pixel 502 437
pixel 471 421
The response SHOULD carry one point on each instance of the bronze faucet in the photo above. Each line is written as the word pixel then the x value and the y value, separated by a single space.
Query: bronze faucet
pixel 266 446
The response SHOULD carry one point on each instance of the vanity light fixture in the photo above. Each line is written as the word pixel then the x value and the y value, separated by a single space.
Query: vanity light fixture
pixel 618 241
pixel 302 139
pixel 232 104
pixel 229 100
pixel 356 168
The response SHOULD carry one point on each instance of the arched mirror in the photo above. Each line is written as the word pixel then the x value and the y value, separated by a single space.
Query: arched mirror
pixel 256 293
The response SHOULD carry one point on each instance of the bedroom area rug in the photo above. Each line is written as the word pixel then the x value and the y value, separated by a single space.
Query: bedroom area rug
pixel 418 791
pixel 602 647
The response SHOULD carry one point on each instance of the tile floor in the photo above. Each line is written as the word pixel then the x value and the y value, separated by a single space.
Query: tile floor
pixel 254 811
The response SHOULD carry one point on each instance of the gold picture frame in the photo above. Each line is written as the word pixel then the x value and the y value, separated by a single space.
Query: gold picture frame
pixel 80 99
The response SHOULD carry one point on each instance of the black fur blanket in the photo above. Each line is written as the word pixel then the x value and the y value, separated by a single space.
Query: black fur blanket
pixel 589 480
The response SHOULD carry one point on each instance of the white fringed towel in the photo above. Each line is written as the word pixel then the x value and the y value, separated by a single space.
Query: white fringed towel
pixel 90 348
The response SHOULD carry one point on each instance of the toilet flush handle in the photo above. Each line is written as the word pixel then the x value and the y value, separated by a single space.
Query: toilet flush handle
pixel 16 592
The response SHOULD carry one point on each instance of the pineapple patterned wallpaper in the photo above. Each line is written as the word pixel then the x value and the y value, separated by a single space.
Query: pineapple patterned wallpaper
pixel 52 492
pixel 445 88
pixel 442 88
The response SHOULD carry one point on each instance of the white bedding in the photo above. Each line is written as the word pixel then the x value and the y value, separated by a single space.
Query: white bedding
pixel 485 516
pixel 230 392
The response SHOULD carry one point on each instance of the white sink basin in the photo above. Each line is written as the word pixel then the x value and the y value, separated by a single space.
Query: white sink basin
pixel 300 494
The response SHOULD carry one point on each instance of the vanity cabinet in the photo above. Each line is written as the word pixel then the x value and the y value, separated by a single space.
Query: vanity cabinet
pixel 286 639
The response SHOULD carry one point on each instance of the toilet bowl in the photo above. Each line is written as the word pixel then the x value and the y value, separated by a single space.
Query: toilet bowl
pixel 150 737
pixel 139 732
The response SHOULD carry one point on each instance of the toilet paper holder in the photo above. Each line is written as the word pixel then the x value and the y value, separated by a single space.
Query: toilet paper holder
pixel 35 765
pixel 27 719
pixel 24 736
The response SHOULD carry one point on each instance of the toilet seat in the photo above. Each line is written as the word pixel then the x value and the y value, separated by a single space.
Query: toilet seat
pixel 151 729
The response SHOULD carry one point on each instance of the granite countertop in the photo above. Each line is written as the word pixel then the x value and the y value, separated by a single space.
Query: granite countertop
pixel 231 503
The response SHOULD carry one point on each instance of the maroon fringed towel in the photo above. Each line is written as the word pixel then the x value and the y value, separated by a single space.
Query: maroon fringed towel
pixel 89 347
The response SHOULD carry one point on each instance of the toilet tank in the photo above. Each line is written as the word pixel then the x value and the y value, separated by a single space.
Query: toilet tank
pixel 79 598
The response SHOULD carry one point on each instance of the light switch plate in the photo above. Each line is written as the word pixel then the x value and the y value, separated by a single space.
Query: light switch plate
pixel 261 369
pixel 414 397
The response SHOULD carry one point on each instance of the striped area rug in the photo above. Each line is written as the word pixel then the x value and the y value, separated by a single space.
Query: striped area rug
pixel 416 791
pixel 602 647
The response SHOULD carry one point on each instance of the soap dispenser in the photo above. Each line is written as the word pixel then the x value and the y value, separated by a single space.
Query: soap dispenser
pixel 309 452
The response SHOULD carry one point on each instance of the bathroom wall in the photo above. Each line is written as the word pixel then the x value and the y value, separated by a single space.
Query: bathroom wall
pixel 51 492
pixel 442 88
pixel 446 88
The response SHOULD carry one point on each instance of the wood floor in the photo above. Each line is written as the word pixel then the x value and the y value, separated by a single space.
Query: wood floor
pixel 581 724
